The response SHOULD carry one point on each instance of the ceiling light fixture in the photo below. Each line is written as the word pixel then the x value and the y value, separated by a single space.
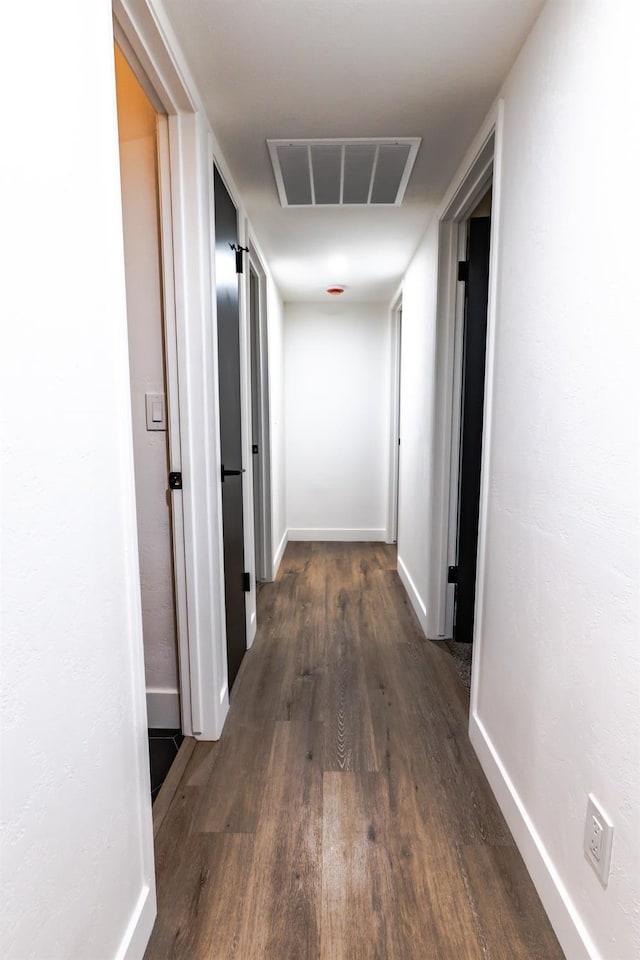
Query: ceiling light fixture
pixel 335 291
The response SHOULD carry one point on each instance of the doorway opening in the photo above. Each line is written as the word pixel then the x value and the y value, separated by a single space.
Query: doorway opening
pixel 473 274
pixel 156 437
pixel 463 392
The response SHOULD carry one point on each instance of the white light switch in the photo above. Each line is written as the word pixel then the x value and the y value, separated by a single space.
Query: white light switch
pixel 156 411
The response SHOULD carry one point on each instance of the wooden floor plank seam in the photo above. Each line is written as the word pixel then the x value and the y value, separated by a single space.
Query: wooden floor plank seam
pixel 343 815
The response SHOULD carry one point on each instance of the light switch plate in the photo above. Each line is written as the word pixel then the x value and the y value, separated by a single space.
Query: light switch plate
pixel 156 411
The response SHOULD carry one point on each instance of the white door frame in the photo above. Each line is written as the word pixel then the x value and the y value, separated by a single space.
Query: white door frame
pixel 264 551
pixel 148 43
pixel 478 171
pixel 172 376
pixel 456 424
pixel 394 419
pixel 173 419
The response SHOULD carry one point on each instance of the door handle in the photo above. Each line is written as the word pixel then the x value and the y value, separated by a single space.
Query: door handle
pixel 230 473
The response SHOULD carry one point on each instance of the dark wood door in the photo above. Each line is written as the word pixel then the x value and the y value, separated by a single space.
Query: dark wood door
pixel 227 299
pixel 473 363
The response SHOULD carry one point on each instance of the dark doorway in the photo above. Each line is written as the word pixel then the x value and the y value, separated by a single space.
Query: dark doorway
pixel 227 299
pixel 473 364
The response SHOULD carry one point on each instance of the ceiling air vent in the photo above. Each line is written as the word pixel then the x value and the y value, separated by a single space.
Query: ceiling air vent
pixel 335 173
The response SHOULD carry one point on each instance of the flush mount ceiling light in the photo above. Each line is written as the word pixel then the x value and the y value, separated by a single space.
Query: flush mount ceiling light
pixel 335 173
pixel 335 291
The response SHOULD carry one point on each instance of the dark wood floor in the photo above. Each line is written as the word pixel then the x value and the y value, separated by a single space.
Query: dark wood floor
pixel 343 814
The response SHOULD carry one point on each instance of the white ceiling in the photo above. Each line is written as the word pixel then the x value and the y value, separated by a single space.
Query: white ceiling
pixel 346 68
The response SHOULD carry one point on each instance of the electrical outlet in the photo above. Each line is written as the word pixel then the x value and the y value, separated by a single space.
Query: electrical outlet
pixel 598 839
pixel 595 843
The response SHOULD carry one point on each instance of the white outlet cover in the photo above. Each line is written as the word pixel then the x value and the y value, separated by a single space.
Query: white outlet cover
pixel 602 866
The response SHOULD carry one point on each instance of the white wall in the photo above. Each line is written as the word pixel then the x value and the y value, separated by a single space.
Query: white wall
pixel 77 863
pixel 275 339
pixel 139 178
pixel 337 391
pixel 557 659
pixel 416 411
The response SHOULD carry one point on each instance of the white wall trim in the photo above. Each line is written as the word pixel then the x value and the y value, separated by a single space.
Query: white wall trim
pixel 163 708
pixel 148 34
pixel 449 206
pixel 145 36
pixel 466 189
pixel 198 408
pixel 336 534
pixel 277 559
pixel 216 545
pixel 172 375
pixel 264 425
pixel 565 919
pixel 142 919
pixel 494 253
pixel 136 936
pixel 417 602
pixel 394 419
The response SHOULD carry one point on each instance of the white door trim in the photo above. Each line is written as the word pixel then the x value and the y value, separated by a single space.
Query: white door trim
pixel 468 188
pixel 391 535
pixel 173 421
pixel 456 423
pixel 146 37
pixel 264 535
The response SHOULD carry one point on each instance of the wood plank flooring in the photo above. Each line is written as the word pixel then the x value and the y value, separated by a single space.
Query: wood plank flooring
pixel 343 814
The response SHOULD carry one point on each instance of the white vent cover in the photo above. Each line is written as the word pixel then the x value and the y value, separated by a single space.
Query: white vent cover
pixel 330 173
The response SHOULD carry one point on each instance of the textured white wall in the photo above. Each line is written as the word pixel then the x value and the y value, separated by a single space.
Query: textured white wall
pixel 275 340
pixel 416 411
pixel 138 171
pixel 77 862
pixel 337 390
pixel 558 666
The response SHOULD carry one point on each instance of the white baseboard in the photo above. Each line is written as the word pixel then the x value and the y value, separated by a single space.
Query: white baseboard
pixel 417 603
pixel 337 534
pixel 163 709
pixel 565 919
pixel 136 937
pixel 282 546
pixel 252 629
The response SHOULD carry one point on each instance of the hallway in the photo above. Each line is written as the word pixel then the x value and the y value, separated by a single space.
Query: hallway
pixel 343 815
